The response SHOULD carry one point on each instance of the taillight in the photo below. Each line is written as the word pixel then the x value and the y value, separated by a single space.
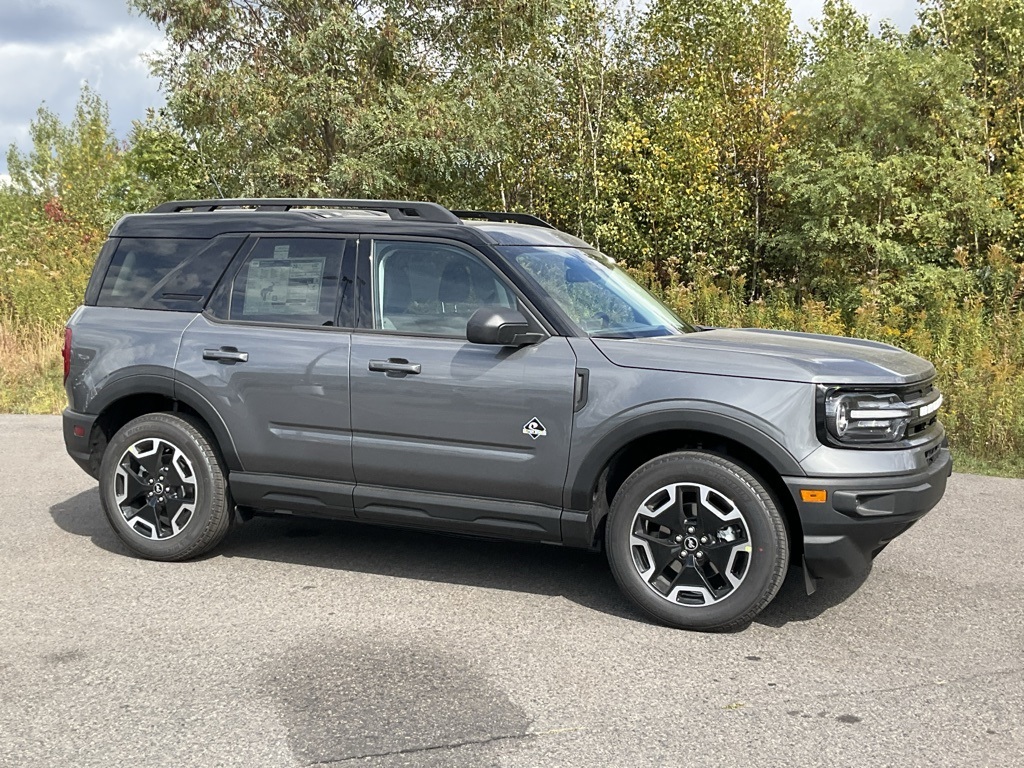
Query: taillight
pixel 66 353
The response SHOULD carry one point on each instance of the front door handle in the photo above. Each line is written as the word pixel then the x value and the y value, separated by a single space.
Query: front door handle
pixel 226 355
pixel 395 365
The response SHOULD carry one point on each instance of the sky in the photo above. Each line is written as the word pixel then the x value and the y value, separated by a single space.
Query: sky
pixel 49 48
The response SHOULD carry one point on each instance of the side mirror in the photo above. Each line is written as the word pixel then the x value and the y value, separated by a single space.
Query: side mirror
pixel 500 325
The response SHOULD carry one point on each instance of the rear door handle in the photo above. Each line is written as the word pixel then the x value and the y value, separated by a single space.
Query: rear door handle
pixel 226 355
pixel 395 365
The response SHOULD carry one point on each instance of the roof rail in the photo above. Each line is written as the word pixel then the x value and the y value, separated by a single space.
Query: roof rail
pixel 499 216
pixel 399 210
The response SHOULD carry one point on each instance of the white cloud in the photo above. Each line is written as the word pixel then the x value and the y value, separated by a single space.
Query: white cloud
pixel 111 62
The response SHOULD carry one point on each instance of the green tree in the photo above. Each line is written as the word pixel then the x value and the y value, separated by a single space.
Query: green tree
pixel 76 168
pixel 988 35
pixel 64 193
pixel 704 129
pixel 885 167
pixel 160 165
pixel 378 98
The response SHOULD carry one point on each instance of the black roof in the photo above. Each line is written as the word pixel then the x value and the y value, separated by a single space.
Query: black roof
pixel 210 218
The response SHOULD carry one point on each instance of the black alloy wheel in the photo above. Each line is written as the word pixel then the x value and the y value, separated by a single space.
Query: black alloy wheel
pixel 163 488
pixel 697 541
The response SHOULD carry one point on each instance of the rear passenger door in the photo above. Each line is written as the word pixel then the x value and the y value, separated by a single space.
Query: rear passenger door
pixel 449 434
pixel 271 354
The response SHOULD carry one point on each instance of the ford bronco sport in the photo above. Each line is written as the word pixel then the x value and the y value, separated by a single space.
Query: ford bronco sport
pixel 481 373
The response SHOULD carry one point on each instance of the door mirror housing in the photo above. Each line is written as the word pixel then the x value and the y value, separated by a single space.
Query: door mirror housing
pixel 502 326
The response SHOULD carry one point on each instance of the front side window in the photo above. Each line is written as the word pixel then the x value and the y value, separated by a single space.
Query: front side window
pixel 431 288
pixel 291 280
pixel 598 296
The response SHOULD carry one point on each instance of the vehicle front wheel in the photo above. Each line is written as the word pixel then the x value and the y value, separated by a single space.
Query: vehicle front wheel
pixel 696 541
pixel 163 488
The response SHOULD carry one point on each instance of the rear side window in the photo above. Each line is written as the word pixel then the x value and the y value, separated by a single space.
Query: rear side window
pixel 166 273
pixel 292 280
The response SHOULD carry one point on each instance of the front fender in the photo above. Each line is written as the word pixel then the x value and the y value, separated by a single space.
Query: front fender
pixel 703 417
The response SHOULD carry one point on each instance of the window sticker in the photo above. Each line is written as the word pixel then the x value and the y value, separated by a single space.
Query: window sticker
pixel 284 286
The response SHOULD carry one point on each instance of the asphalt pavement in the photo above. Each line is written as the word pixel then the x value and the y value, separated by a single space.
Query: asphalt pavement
pixel 315 643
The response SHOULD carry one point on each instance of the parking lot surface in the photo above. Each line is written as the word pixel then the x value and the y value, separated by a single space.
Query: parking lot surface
pixel 302 643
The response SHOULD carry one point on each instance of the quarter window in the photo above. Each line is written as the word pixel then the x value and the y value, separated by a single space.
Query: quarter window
pixel 289 280
pixel 165 273
pixel 432 288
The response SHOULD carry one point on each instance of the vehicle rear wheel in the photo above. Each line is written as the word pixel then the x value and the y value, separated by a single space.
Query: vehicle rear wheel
pixel 697 541
pixel 163 488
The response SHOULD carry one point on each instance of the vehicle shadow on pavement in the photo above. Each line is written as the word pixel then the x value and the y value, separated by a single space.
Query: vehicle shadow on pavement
pixel 82 515
pixel 793 604
pixel 580 576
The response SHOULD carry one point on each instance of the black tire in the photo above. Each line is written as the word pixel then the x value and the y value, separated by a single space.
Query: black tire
pixel 682 585
pixel 192 511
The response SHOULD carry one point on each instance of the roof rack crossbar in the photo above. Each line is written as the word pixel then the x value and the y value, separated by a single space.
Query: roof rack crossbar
pixel 399 210
pixel 500 216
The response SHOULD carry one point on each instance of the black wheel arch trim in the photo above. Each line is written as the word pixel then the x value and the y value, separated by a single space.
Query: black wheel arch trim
pixel 579 489
pixel 163 384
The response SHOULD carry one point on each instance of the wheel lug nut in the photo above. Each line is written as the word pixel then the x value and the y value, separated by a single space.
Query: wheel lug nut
pixel 679 538
pixel 703 539
pixel 699 555
pixel 691 529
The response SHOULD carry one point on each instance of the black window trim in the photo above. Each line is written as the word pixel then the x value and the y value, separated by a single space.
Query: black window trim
pixel 364 279
pixel 99 271
pixel 220 298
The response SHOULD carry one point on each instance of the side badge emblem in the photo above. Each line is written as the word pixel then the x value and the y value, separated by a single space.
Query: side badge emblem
pixel 534 428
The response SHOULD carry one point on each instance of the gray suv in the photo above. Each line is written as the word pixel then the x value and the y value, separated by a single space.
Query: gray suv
pixel 485 374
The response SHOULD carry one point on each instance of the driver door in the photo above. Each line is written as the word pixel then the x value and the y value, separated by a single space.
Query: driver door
pixel 449 434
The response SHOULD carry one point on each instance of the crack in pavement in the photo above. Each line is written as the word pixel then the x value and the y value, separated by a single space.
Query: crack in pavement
pixel 1006 672
pixel 431 748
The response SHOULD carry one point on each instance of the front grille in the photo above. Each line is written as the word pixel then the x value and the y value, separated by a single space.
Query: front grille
pixel 915 396
pixel 917 391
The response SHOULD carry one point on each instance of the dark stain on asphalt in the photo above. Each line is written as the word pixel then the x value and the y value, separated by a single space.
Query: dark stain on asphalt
pixel 851 719
pixel 64 657
pixel 753 658
pixel 356 700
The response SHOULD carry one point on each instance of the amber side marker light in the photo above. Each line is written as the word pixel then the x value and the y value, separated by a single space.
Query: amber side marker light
pixel 813 496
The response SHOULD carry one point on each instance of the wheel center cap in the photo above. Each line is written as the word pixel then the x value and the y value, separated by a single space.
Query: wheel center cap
pixel 159 488
pixel 690 542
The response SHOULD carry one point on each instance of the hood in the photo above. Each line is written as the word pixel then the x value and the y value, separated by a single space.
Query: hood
pixel 779 355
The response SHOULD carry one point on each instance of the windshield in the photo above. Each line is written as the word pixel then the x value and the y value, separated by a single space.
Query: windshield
pixel 598 296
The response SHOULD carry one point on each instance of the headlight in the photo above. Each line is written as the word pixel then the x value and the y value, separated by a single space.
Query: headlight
pixel 853 417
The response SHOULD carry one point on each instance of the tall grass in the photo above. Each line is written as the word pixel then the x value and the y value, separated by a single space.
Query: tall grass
pixel 30 368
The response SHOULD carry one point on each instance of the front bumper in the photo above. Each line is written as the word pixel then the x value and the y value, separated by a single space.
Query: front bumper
pixel 862 515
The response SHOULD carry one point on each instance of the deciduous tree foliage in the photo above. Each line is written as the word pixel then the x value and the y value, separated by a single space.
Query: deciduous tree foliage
pixel 682 137
pixel 380 98
pixel 988 35
pixel 64 193
pixel 885 168
pixel 703 129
